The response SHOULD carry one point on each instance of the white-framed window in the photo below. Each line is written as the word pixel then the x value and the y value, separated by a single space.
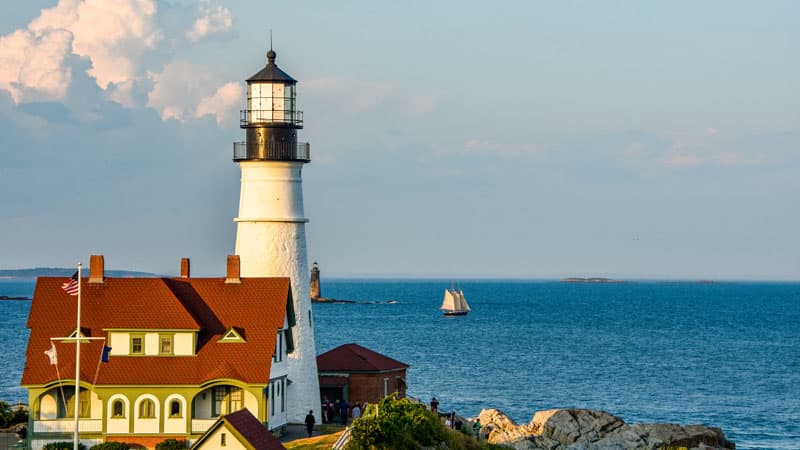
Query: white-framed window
pixel 137 344
pixel 165 344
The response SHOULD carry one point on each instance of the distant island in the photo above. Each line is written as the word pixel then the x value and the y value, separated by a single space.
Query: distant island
pixel 590 280
pixel 65 272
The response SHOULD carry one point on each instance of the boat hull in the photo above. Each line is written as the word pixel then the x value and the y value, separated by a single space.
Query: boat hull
pixel 455 313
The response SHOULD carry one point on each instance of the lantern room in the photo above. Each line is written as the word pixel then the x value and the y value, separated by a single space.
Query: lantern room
pixel 271 119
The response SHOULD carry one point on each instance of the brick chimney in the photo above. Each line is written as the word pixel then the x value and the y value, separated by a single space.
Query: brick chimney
pixel 184 267
pixel 96 269
pixel 233 270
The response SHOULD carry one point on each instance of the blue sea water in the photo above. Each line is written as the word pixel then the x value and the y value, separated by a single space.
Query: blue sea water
pixel 721 354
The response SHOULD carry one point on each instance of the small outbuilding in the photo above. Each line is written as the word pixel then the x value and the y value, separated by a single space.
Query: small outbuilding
pixel 238 431
pixel 357 374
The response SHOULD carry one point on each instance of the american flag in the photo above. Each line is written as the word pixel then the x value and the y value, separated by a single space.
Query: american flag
pixel 71 286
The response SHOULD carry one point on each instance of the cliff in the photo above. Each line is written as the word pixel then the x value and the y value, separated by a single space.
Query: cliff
pixel 583 429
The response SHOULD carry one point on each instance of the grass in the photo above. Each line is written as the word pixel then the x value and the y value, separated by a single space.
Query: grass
pixel 325 442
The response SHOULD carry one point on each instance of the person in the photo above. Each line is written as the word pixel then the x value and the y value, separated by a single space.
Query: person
pixel 344 410
pixel 331 412
pixel 434 405
pixel 356 411
pixel 310 422
pixel 22 433
pixel 458 424
pixel 447 422
pixel 476 428
pixel 324 410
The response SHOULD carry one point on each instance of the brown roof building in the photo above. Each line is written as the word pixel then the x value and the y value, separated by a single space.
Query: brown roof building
pixel 357 374
pixel 183 352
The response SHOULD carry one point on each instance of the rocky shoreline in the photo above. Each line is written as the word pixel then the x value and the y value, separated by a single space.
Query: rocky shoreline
pixel 584 429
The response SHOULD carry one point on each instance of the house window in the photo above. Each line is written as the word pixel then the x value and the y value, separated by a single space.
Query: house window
pixel 283 398
pixel 165 344
pixel 222 439
pixel 137 345
pixel 68 409
pixel 147 409
pixel 118 409
pixel 227 399
pixel 278 355
pixel 175 408
pixel 272 400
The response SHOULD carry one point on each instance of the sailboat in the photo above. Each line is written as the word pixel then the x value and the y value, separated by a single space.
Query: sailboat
pixel 454 303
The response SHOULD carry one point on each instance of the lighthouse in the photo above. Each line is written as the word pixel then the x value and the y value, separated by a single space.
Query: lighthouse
pixel 270 228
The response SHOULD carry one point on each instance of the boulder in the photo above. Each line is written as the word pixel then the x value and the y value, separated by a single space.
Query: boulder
pixel 584 429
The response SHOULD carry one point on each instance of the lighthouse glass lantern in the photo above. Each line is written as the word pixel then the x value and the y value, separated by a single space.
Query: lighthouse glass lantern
pixel 270 102
pixel 271 119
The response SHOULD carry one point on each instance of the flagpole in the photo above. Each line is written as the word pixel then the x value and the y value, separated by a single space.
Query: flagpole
pixel 76 396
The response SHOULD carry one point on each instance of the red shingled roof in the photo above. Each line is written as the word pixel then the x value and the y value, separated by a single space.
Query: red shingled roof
pixel 252 430
pixel 355 358
pixel 207 305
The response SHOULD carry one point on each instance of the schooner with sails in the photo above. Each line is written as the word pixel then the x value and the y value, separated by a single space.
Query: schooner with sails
pixel 454 303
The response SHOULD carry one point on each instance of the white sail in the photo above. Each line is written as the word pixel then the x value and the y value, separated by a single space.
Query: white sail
pixel 449 303
pixel 462 302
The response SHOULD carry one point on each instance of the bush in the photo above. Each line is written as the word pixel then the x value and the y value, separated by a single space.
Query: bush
pixel 397 424
pixel 62 445
pixel 171 444
pixel 111 446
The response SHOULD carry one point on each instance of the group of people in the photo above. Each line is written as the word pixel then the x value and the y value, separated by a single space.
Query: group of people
pixel 454 422
pixel 341 410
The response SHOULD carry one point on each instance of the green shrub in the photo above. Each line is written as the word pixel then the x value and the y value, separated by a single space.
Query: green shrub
pixel 171 444
pixel 62 445
pixel 395 425
pixel 111 446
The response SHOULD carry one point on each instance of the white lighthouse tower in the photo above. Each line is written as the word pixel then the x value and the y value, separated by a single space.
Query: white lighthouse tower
pixel 271 235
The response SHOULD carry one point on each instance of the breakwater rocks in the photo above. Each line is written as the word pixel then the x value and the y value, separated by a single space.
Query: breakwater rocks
pixel 584 429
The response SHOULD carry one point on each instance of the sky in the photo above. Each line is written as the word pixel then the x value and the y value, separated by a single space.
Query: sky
pixel 450 139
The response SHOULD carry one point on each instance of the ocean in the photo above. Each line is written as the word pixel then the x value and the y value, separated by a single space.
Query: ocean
pixel 721 354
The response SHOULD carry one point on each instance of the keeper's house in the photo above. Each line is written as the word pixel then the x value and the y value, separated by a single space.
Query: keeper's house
pixel 355 373
pixel 184 352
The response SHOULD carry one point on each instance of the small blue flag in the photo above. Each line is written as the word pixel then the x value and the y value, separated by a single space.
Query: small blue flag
pixel 104 357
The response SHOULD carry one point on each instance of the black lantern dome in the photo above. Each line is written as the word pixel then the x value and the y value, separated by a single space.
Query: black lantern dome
pixel 271 119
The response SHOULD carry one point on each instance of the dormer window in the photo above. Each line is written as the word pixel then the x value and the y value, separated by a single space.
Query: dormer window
pixel 137 344
pixel 165 342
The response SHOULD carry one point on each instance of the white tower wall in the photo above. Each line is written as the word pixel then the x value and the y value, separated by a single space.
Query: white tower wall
pixel 271 242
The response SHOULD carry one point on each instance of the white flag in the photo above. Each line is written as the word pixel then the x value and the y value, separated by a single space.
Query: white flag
pixel 52 354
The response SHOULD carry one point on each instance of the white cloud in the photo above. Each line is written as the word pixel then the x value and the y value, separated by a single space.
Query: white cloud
pixel 226 100
pixel 181 93
pixel 213 19
pixel 32 67
pixel 125 47
pixel 112 35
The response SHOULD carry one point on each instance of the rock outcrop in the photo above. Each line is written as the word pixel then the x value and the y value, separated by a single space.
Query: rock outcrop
pixel 583 429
